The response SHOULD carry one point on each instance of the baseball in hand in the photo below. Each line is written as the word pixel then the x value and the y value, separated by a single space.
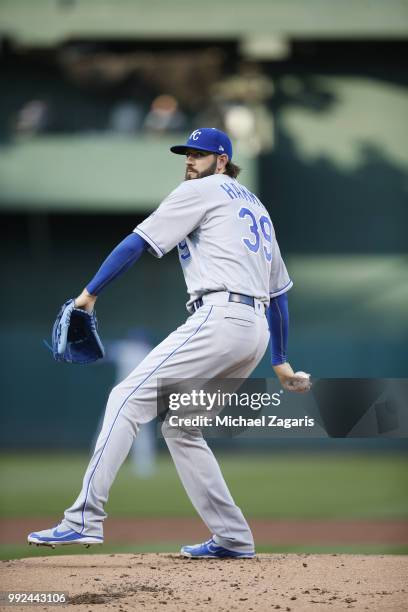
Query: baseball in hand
pixel 302 374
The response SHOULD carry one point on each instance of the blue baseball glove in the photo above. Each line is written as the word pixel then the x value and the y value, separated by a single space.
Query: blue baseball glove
pixel 75 337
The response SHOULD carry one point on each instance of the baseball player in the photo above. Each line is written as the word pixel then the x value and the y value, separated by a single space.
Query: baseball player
pixel 237 283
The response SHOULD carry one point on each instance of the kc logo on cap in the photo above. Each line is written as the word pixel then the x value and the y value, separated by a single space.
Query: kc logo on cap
pixel 195 135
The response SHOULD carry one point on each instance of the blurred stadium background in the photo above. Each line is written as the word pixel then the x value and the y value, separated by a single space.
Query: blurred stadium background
pixel 315 97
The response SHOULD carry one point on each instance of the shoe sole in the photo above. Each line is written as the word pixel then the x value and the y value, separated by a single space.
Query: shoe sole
pixel 84 541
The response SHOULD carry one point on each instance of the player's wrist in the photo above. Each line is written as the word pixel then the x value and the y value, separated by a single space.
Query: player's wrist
pixel 85 300
pixel 283 369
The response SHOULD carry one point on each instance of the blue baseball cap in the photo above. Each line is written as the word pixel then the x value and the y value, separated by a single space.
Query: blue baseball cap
pixel 206 139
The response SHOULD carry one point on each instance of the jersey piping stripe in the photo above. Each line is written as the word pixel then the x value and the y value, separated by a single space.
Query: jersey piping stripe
pixel 152 243
pixel 275 293
pixel 124 402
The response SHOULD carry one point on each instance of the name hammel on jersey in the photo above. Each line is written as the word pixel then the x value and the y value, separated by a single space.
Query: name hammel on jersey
pixel 225 238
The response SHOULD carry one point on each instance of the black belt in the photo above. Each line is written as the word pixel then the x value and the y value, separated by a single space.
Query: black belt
pixel 239 298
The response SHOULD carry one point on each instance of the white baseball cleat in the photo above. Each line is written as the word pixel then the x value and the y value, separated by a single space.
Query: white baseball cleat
pixel 212 550
pixel 55 537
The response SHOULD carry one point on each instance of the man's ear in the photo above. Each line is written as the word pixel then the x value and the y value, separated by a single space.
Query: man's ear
pixel 222 161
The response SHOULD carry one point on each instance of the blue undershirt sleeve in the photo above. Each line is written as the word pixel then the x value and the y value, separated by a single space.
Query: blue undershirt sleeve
pixel 122 257
pixel 278 319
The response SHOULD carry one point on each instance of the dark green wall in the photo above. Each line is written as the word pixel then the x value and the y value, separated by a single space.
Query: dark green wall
pixel 348 319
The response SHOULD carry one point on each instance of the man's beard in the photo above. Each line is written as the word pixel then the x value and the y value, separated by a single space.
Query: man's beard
pixel 209 172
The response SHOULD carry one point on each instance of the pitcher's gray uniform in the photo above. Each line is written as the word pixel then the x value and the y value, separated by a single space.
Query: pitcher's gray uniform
pixel 226 243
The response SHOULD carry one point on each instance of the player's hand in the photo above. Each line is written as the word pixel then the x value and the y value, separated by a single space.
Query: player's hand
pixel 298 382
pixel 86 301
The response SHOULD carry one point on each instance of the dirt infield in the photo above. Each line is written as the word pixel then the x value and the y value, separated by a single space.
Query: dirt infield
pixel 266 531
pixel 285 582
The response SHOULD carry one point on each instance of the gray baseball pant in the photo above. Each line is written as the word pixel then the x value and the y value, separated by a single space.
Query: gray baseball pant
pixel 221 339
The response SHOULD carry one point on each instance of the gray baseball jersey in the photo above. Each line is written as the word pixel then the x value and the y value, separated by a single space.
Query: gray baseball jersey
pixel 225 238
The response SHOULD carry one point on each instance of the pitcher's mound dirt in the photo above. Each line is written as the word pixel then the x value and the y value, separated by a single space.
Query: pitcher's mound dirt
pixel 166 582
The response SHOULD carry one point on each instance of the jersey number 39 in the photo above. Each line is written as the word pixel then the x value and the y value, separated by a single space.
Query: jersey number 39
pixel 260 232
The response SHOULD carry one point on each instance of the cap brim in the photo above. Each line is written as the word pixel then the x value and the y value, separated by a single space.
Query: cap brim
pixel 182 149
pixel 178 149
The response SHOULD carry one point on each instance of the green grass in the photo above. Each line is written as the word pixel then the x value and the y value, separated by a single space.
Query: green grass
pixel 265 486
pixel 20 552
